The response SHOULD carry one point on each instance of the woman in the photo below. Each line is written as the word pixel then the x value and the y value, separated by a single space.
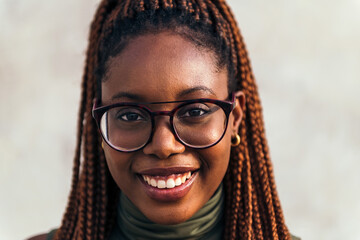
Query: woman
pixel 170 130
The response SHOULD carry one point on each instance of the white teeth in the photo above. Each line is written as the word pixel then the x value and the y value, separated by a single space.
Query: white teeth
pixel 178 182
pixel 161 184
pixel 153 182
pixel 170 183
pixel 183 179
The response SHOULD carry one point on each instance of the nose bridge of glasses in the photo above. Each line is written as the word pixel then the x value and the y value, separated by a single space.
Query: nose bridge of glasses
pixel 162 113
pixel 162 125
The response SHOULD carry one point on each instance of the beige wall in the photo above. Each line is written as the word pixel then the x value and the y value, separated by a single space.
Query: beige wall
pixel 306 58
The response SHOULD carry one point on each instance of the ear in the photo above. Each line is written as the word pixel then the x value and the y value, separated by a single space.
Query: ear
pixel 237 113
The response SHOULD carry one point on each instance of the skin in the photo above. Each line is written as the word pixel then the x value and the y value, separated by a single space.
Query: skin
pixel 166 67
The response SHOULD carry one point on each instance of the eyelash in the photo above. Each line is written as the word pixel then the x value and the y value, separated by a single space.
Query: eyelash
pixel 125 112
pixel 187 111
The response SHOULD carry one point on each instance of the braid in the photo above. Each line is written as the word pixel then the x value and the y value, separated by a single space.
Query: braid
pixel 72 226
pixel 260 156
pixel 257 221
pixel 252 206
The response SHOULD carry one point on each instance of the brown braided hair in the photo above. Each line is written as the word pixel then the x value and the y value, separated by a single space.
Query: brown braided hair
pixel 252 206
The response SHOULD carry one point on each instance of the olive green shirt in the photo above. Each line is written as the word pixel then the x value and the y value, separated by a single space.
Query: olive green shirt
pixel 51 234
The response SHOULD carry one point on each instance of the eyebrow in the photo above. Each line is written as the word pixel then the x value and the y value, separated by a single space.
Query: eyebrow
pixel 195 89
pixel 183 93
pixel 126 95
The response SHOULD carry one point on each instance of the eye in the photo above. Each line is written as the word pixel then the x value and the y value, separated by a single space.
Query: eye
pixel 130 115
pixel 196 112
pixel 193 111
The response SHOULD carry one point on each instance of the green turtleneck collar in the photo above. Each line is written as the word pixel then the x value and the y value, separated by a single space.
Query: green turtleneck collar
pixel 207 223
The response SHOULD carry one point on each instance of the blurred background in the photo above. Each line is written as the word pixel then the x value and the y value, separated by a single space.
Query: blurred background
pixel 306 58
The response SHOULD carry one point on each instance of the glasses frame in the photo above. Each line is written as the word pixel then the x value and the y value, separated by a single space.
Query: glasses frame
pixel 99 111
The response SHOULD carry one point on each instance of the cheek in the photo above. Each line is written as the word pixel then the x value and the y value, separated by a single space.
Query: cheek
pixel 216 159
pixel 119 165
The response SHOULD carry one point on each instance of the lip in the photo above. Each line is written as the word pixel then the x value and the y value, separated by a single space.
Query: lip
pixel 168 194
pixel 167 171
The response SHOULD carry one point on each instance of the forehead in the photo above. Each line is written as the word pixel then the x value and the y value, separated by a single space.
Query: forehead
pixel 159 67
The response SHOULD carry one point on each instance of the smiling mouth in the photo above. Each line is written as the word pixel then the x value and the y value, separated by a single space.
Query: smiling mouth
pixel 169 181
pixel 168 184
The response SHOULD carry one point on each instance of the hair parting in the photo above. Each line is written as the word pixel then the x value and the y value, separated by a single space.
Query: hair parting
pixel 252 206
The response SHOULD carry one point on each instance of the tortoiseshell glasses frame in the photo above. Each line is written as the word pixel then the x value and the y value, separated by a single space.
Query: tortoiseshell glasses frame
pixel 141 111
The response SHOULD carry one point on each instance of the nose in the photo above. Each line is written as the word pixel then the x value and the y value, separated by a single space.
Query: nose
pixel 163 143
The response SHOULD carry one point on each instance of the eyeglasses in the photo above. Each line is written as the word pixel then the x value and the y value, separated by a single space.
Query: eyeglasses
pixel 198 123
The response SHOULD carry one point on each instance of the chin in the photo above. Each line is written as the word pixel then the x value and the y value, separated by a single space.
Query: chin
pixel 169 214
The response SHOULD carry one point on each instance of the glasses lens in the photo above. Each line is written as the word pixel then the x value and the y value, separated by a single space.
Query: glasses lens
pixel 126 128
pixel 200 124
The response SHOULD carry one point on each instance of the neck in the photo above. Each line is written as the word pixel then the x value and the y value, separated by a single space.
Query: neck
pixel 205 224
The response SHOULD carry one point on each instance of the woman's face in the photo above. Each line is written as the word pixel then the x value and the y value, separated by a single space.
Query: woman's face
pixel 157 68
